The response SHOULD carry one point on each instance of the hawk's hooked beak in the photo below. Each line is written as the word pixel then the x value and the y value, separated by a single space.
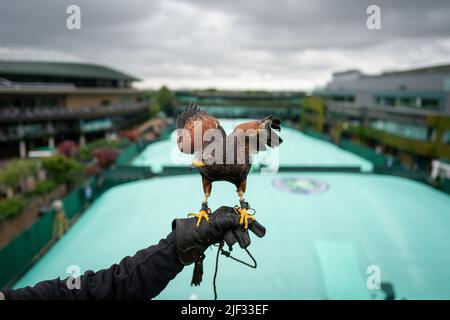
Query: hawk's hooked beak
pixel 197 163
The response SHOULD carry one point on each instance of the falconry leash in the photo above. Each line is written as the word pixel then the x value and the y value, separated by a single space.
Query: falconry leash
pixel 221 250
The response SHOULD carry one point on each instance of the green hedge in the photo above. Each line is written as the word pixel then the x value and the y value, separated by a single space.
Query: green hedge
pixel 11 207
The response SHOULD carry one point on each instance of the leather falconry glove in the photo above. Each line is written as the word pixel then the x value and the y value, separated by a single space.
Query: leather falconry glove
pixel 192 241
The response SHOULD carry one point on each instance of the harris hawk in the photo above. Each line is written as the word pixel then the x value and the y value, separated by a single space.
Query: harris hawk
pixel 222 157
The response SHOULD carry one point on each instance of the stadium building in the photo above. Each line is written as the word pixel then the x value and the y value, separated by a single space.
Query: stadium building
pixel 250 104
pixel 402 113
pixel 43 103
pixel 418 89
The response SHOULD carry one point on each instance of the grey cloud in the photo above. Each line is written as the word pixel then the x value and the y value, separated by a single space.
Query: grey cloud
pixel 237 43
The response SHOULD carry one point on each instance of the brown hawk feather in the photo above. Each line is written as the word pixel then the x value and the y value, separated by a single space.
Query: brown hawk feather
pixel 262 131
pixel 188 142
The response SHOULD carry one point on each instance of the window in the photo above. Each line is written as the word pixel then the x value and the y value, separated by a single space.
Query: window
pixel 414 101
pixel 430 103
pixel 406 102
pixel 446 137
pixel 389 101
pixel 343 98
pixel 379 101
pixel 399 129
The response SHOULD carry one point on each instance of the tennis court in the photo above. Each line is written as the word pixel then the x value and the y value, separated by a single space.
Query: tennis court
pixel 298 150
pixel 323 231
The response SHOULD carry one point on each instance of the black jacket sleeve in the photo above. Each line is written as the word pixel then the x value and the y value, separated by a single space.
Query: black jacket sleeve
pixel 140 277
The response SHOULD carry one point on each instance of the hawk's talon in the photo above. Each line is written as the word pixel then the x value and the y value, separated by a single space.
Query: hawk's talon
pixel 203 214
pixel 245 216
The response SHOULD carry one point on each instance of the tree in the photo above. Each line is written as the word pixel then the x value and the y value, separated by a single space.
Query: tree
pixel 61 168
pixel 165 100
pixel 105 157
pixel 13 173
pixel 10 207
pixel 68 148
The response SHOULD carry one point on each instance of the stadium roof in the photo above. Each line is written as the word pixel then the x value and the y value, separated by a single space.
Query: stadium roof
pixel 62 69
pixel 438 69
pixel 424 70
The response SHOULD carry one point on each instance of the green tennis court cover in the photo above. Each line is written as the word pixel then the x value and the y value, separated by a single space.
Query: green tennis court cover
pixel 297 150
pixel 324 230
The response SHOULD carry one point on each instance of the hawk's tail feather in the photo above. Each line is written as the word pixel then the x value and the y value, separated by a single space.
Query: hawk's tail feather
pixel 276 124
pixel 273 139
pixel 271 124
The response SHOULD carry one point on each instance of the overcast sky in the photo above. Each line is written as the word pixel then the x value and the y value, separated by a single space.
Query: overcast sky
pixel 257 44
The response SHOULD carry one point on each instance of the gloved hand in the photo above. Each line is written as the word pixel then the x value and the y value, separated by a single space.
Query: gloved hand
pixel 192 241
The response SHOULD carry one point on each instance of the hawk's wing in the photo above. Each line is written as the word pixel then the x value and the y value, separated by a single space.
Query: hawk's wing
pixel 192 125
pixel 258 134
